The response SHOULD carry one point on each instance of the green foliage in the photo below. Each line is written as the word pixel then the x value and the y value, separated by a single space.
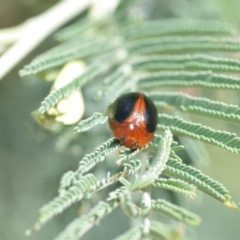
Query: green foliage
pixel 133 166
pixel 179 126
pixel 202 106
pixel 156 167
pixel 176 185
pixel 68 53
pixel 189 79
pixel 175 27
pixel 176 212
pixel 64 200
pixel 143 55
pixel 124 155
pixel 90 160
pixel 95 119
pixel 186 62
pixel 82 224
pixel 91 72
pixel 177 44
pixel 198 179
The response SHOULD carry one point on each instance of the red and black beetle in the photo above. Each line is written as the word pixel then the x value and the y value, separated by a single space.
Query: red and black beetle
pixel 133 119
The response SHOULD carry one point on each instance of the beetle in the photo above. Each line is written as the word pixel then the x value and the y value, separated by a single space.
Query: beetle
pixel 133 119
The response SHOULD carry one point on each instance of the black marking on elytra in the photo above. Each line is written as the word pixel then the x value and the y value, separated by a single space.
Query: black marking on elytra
pixel 150 115
pixel 124 105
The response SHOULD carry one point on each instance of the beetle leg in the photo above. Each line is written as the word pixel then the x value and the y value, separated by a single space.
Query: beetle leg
pixel 122 140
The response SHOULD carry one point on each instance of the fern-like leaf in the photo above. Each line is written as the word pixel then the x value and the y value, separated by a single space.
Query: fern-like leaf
pixel 154 144
pixel 91 72
pixel 53 60
pixel 157 166
pixel 126 154
pixel 95 119
pixel 159 161
pixel 203 106
pixel 176 185
pixel 176 212
pixel 179 126
pixel 81 225
pixel 179 44
pixel 198 179
pixel 90 160
pixel 141 51
pixel 171 154
pixel 133 166
pixel 177 26
pixel 60 203
pixel 175 145
pixel 188 79
pixel 67 47
pixel 186 62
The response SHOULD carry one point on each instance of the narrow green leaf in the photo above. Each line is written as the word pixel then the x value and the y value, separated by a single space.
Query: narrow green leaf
pixel 179 44
pixel 74 194
pixel 90 160
pixel 157 166
pixel 177 26
pixel 124 181
pixel 95 119
pixel 160 160
pixel 188 79
pixel 154 145
pixel 68 47
pixel 179 126
pixel 176 185
pixel 133 166
pixel 126 154
pixel 176 212
pixel 54 60
pixel 81 225
pixel 198 105
pixel 186 62
pixel 198 179
pixel 158 138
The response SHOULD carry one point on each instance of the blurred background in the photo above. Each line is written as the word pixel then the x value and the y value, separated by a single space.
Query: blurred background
pixel 32 160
